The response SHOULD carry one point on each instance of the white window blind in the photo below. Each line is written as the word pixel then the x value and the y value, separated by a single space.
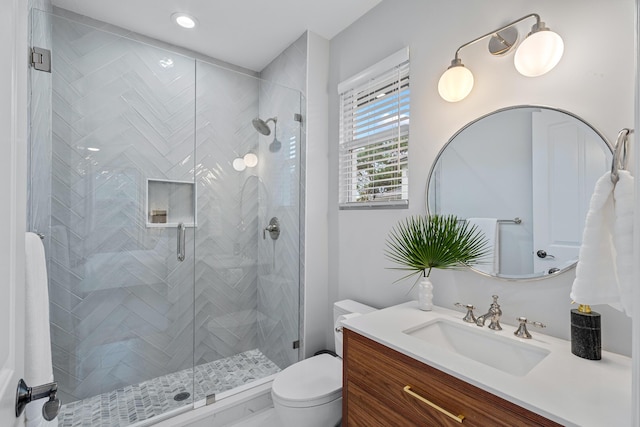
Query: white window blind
pixel 374 136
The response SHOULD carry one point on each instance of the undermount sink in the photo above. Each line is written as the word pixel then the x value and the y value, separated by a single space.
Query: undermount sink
pixel 507 355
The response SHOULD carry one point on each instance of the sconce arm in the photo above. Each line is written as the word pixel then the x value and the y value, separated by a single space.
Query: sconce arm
pixel 495 32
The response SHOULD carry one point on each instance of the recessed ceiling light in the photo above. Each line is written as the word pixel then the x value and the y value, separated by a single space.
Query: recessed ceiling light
pixel 184 20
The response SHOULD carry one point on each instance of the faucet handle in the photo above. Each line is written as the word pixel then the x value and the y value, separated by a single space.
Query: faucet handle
pixel 469 317
pixel 522 331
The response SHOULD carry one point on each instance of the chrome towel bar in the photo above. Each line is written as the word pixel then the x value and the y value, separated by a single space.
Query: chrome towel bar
pixel 516 220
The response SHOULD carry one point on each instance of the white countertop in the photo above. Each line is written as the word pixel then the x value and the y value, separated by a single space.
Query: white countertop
pixel 562 387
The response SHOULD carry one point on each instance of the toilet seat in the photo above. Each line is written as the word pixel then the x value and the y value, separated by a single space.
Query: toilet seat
pixel 310 382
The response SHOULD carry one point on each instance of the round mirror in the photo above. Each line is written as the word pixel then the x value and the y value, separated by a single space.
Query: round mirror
pixel 524 176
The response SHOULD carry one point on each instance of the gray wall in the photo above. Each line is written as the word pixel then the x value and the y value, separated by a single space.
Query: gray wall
pixel 318 311
pixel 594 80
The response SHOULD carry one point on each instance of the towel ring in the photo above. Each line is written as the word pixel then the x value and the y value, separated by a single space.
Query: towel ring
pixel 619 161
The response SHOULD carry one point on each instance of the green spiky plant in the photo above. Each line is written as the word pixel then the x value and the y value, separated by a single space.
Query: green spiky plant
pixel 421 243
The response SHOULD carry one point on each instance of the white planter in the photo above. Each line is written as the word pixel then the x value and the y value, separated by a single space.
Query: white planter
pixel 425 294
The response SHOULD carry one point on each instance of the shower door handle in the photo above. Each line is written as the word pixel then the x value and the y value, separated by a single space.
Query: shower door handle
pixel 181 242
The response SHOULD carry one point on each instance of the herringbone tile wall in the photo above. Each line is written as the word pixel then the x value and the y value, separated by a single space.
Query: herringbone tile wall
pixel 123 309
pixel 121 304
pixel 226 256
pixel 279 276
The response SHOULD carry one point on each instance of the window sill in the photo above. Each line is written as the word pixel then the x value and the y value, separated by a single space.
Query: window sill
pixel 396 204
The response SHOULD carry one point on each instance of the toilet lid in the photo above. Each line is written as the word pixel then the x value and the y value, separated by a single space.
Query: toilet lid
pixel 311 382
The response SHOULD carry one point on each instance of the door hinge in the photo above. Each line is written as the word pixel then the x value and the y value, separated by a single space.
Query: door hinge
pixel 211 398
pixel 41 59
pixel 296 344
pixel 297 117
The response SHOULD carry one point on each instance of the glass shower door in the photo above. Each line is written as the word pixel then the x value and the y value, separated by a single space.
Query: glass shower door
pixel 247 284
pixel 112 189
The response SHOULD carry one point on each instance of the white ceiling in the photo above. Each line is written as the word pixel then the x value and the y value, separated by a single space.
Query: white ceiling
pixel 248 33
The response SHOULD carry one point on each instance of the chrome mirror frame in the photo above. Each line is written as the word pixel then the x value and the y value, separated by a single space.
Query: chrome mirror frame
pixel 471 123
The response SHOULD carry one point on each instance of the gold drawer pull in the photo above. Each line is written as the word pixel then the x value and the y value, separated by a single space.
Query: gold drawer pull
pixel 458 418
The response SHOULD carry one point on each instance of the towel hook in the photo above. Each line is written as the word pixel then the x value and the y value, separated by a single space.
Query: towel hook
pixel 619 161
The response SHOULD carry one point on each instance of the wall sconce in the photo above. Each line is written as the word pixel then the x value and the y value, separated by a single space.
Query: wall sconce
pixel 538 53
pixel 249 160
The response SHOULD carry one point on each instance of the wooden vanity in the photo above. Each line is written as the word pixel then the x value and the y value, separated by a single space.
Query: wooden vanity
pixel 383 387
pixel 400 369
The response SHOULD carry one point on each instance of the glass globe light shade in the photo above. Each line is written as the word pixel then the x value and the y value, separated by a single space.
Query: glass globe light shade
pixel 250 159
pixel 538 53
pixel 455 83
pixel 238 164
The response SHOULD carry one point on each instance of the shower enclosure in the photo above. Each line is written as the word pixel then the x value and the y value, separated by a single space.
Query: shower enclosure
pixel 165 290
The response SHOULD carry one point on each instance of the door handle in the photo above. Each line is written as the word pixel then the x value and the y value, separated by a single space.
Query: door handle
pixel 181 242
pixel 543 254
pixel 26 394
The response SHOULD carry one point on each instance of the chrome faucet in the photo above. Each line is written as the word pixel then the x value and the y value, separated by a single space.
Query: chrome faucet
pixel 494 314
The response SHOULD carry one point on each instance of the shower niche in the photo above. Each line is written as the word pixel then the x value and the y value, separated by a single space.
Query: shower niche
pixel 170 203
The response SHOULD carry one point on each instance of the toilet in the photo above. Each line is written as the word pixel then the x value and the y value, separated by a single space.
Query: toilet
pixel 309 393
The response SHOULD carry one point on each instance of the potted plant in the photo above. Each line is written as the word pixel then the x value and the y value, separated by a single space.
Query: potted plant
pixel 421 243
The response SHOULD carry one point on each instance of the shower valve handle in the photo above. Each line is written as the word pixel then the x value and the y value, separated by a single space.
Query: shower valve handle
pixel 273 228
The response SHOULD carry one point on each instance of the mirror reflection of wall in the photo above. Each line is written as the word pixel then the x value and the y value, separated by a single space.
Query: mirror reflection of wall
pixel 533 163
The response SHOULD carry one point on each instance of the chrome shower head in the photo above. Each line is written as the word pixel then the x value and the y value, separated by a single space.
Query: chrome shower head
pixel 262 126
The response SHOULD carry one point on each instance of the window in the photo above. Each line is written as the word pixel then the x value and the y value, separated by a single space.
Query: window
pixel 374 136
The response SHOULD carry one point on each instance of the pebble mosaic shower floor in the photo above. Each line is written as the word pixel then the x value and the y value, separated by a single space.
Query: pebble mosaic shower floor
pixel 151 398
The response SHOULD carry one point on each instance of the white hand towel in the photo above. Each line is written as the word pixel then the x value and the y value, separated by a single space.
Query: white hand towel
pixel 38 366
pixel 623 237
pixel 490 228
pixel 596 279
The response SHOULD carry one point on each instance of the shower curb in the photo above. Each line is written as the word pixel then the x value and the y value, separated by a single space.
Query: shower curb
pixel 226 411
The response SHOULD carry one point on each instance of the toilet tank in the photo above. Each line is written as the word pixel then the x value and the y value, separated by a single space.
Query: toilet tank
pixel 348 306
pixel 343 307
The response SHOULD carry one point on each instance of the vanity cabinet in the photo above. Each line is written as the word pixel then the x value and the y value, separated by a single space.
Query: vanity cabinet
pixel 383 387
